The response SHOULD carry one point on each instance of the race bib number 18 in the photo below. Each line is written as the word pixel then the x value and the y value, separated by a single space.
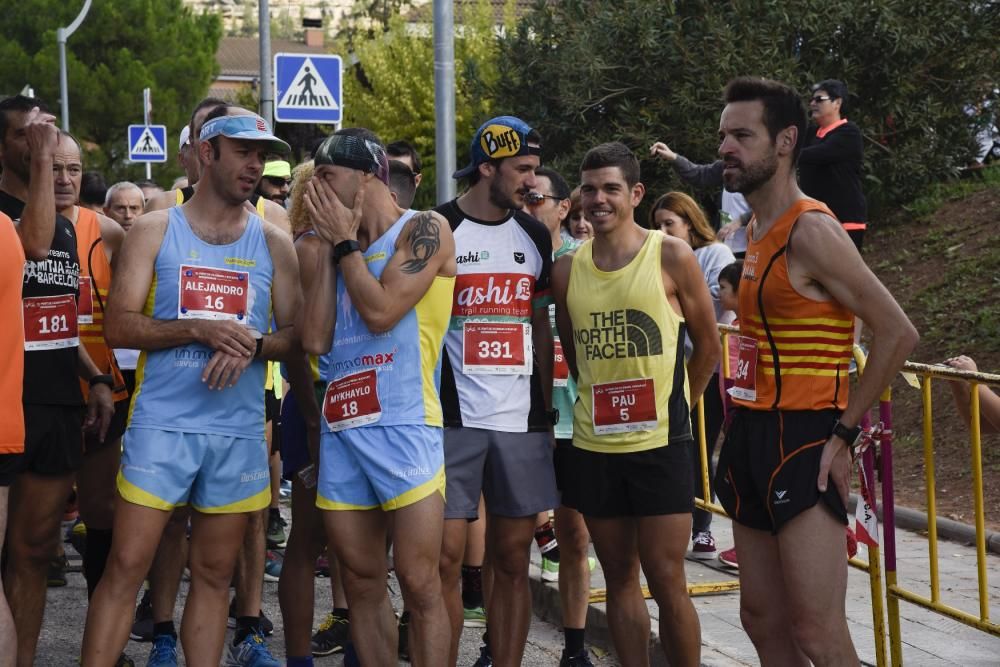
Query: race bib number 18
pixel 352 401
pixel 745 374
pixel 50 322
pixel 208 293
pixel 496 348
pixel 624 406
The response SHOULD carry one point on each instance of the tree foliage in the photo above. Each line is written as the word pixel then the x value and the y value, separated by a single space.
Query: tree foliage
pixel 391 88
pixel 121 48
pixel 640 70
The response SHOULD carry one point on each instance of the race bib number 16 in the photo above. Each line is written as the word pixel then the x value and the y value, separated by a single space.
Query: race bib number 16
pixel 208 293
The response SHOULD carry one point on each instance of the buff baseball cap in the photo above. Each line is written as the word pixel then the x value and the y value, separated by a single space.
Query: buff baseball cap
pixel 354 152
pixel 500 137
pixel 247 127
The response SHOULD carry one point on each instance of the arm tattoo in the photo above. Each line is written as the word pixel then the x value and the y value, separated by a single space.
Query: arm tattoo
pixel 425 241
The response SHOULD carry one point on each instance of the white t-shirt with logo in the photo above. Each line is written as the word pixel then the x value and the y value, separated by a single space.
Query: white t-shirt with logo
pixel 489 379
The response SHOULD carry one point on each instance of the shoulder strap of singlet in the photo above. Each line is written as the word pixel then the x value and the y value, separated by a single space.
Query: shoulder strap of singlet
pixel 184 194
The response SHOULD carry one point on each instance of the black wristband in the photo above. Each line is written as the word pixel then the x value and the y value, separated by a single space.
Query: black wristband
pixel 102 379
pixel 260 347
pixel 345 248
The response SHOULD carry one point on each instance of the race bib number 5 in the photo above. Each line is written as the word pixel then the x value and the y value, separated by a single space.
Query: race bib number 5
pixel 624 406
pixel 745 374
pixel 50 322
pixel 352 401
pixel 208 293
pixel 496 348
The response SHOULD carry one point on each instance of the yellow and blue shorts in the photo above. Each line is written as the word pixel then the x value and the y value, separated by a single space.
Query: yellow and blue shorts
pixel 387 467
pixel 215 474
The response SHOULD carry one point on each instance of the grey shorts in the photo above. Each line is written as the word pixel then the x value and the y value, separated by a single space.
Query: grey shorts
pixel 513 471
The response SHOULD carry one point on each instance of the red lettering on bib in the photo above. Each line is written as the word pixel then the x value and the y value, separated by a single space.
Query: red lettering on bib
pixel 208 293
pixel 624 406
pixel 560 369
pixel 745 373
pixel 352 401
pixel 50 322
pixel 85 306
pixel 496 348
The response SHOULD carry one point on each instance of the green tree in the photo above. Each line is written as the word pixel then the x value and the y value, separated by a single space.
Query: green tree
pixel 641 70
pixel 121 48
pixel 391 88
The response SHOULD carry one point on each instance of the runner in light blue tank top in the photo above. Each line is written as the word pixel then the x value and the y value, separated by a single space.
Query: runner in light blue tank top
pixel 171 403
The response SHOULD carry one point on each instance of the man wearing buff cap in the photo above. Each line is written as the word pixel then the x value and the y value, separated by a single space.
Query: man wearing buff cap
pixel 378 307
pixel 496 380
pixel 195 291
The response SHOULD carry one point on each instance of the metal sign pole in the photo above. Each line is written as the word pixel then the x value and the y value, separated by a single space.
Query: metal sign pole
pixel 62 34
pixel 146 108
pixel 266 88
pixel 444 97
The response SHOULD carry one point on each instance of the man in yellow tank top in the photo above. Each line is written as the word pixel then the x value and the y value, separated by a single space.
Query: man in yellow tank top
pixel 784 469
pixel 624 301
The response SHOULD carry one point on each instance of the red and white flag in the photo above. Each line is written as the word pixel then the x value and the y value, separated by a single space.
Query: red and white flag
pixel 865 520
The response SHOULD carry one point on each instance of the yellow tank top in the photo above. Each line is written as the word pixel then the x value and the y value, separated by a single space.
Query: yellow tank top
pixel 633 388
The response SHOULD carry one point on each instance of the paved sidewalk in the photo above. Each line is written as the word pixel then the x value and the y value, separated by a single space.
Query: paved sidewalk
pixel 929 639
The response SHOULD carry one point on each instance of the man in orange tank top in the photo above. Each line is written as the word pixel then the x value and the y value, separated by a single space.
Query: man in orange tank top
pixel 785 467
pixel 98 240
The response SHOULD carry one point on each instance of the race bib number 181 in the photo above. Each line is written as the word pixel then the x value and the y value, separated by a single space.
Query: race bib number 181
pixel 624 406
pixel 50 322
pixel 208 293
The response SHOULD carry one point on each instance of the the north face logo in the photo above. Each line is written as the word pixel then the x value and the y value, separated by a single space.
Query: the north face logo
pixel 619 334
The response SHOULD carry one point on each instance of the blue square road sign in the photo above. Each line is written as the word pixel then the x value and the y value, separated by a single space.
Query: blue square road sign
pixel 308 88
pixel 147 143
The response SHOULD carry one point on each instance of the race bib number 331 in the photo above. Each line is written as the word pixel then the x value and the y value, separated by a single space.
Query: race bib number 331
pixel 352 401
pixel 624 406
pixel 208 293
pixel 496 348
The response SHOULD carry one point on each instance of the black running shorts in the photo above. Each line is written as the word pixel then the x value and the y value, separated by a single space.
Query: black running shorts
pixel 768 467
pixel 53 442
pixel 648 483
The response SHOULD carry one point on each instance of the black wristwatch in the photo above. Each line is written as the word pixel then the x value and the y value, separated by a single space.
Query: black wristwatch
pixel 553 416
pixel 345 248
pixel 259 340
pixel 103 379
pixel 848 434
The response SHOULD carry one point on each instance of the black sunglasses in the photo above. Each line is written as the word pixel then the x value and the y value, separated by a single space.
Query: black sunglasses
pixel 538 198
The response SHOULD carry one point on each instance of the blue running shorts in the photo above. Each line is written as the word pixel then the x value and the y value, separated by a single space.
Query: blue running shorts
pixel 387 467
pixel 215 474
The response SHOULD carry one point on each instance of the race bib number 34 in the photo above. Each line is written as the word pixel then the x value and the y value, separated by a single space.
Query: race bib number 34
pixel 352 401
pixel 50 322
pixel 208 293
pixel 496 348
pixel 745 374
pixel 624 406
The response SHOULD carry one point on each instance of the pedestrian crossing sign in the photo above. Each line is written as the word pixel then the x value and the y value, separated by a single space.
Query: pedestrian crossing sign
pixel 307 88
pixel 147 143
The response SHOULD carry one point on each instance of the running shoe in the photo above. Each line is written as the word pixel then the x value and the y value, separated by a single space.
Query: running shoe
pixel 322 568
pixel 703 546
pixel 485 658
pixel 251 652
pixel 164 652
pixel 266 626
pixel 57 571
pixel 474 617
pixel 276 536
pixel 728 557
pixel 404 636
pixel 77 536
pixel 333 635
pixel 550 570
pixel 581 659
pixel 272 565
pixel 142 627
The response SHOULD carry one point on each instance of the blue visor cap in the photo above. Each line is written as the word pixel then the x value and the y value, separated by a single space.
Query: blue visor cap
pixel 246 127
pixel 497 138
